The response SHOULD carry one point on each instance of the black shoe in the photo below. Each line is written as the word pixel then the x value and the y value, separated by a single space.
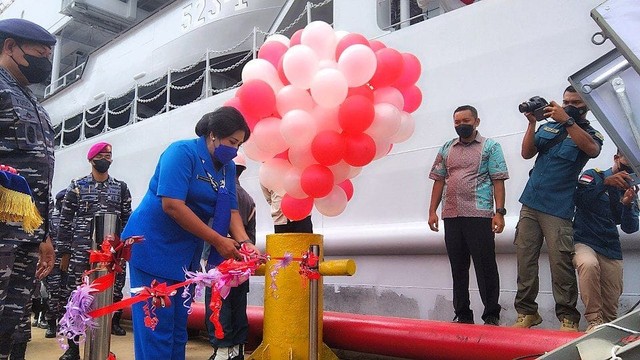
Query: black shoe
pixel 463 320
pixel 18 351
pixel 492 320
pixel 72 353
pixel 116 329
pixel 51 329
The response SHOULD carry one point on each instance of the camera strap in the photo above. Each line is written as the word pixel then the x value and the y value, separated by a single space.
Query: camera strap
pixel 555 141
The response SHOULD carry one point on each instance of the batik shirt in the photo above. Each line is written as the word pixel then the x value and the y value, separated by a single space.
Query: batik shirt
pixel 468 171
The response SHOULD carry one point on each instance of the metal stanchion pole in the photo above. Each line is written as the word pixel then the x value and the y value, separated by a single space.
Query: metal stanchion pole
pixel 98 342
pixel 313 308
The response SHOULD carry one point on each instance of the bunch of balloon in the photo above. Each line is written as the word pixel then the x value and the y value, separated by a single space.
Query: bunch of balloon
pixel 322 105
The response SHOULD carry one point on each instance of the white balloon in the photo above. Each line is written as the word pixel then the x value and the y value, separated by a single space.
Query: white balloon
pixel 326 118
pixel 267 136
pixel 262 69
pixel 301 157
pixel 329 88
pixel 407 127
pixel 279 38
pixel 332 204
pixel 300 65
pixel 254 152
pixel 385 123
pixel 320 36
pixel 292 184
pixel 382 148
pixel 354 171
pixel 298 128
pixel 340 171
pixel 271 171
pixel 358 64
pixel 388 95
pixel 291 97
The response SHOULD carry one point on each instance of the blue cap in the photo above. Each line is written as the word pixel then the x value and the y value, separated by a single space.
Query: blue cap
pixel 26 30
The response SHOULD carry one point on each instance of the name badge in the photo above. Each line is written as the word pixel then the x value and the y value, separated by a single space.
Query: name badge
pixel 551 130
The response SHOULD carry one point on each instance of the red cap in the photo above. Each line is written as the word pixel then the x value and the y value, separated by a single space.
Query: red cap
pixel 96 149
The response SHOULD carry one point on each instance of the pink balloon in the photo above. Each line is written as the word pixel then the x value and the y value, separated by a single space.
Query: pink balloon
pixel 295 38
pixel 348 40
pixel 278 38
pixel 410 71
pixel 328 148
pixel 407 127
pixel 354 171
pixel 296 209
pixel 383 146
pixel 360 149
pixel 390 63
pixel 283 155
pixel 300 65
pixel 340 171
pixel 257 98
pixel 319 36
pixel 298 128
pixel 301 157
pixel 329 88
pixel 376 45
pixel 292 184
pixel 317 181
pixel 358 64
pixel 291 97
pixel 412 98
pixel 386 122
pixel 270 173
pixel 347 186
pixel 333 204
pixel 389 95
pixel 363 90
pixel 254 152
pixel 356 114
pixel 272 52
pixel 267 136
pixel 260 69
pixel 326 118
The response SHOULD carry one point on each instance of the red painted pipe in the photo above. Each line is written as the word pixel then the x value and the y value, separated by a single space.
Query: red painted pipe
pixel 415 339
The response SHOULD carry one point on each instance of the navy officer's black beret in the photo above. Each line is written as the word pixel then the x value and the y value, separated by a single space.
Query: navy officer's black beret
pixel 26 30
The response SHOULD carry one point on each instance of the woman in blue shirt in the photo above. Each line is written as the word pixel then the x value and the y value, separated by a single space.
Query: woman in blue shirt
pixel 193 186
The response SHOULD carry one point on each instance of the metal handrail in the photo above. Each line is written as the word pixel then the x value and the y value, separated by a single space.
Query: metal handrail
pixel 50 89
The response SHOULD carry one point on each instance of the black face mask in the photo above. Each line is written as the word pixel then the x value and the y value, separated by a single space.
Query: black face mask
pixel 623 167
pixel 102 165
pixel 38 70
pixel 464 130
pixel 576 112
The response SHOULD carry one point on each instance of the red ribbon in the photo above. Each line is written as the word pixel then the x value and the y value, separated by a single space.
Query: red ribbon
pixel 215 304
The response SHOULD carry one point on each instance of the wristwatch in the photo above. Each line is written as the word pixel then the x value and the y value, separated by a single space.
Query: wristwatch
pixel 569 122
pixel 501 211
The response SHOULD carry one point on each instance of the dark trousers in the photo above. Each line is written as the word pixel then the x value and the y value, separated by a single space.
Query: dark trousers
pixel 233 317
pixel 469 238
pixel 300 226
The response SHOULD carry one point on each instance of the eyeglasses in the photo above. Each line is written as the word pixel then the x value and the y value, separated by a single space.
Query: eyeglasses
pixel 101 156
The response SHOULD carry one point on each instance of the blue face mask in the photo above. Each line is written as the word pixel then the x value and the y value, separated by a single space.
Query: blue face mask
pixel 224 153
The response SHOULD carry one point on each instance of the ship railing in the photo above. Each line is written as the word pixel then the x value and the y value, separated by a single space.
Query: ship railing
pixel 68 78
pixel 108 114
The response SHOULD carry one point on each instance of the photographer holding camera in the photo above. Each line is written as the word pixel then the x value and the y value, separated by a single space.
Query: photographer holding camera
pixel 563 147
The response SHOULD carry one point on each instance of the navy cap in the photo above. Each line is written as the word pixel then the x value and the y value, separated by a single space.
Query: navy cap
pixel 61 194
pixel 27 30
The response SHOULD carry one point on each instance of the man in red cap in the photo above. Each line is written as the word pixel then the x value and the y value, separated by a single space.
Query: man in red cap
pixel 27 145
pixel 96 192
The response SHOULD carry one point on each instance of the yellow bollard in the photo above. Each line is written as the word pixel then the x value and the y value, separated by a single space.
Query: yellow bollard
pixel 286 310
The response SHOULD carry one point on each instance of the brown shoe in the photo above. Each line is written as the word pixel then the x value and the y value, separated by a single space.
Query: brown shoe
pixel 594 323
pixel 568 325
pixel 527 321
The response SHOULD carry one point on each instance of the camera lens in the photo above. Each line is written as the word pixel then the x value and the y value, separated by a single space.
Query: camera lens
pixel 524 107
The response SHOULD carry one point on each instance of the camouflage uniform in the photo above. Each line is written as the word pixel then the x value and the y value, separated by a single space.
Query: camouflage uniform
pixel 54 280
pixel 26 143
pixel 84 198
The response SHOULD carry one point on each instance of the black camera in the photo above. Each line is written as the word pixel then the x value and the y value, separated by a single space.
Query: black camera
pixel 536 106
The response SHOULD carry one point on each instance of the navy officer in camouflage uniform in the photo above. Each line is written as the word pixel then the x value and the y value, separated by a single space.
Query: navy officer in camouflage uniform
pixel 27 144
pixel 86 196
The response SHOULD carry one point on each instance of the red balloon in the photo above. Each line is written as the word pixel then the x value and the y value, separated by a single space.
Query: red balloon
pixel 295 38
pixel 235 103
pixel 296 209
pixel 467 2
pixel 283 155
pixel 348 40
pixel 363 90
pixel 281 74
pixel 272 52
pixel 356 114
pixel 410 71
pixel 376 45
pixel 390 64
pixel 412 98
pixel 347 186
pixel 317 180
pixel 257 98
pixel 361 149
pixel 328 147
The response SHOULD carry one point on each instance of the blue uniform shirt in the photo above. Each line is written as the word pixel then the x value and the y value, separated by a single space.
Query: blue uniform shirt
pixel 180 174
pixel 598 211
pixel 552 182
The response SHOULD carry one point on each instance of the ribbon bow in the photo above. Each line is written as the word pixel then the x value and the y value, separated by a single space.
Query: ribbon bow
pixel 114 253
pixel 159 293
